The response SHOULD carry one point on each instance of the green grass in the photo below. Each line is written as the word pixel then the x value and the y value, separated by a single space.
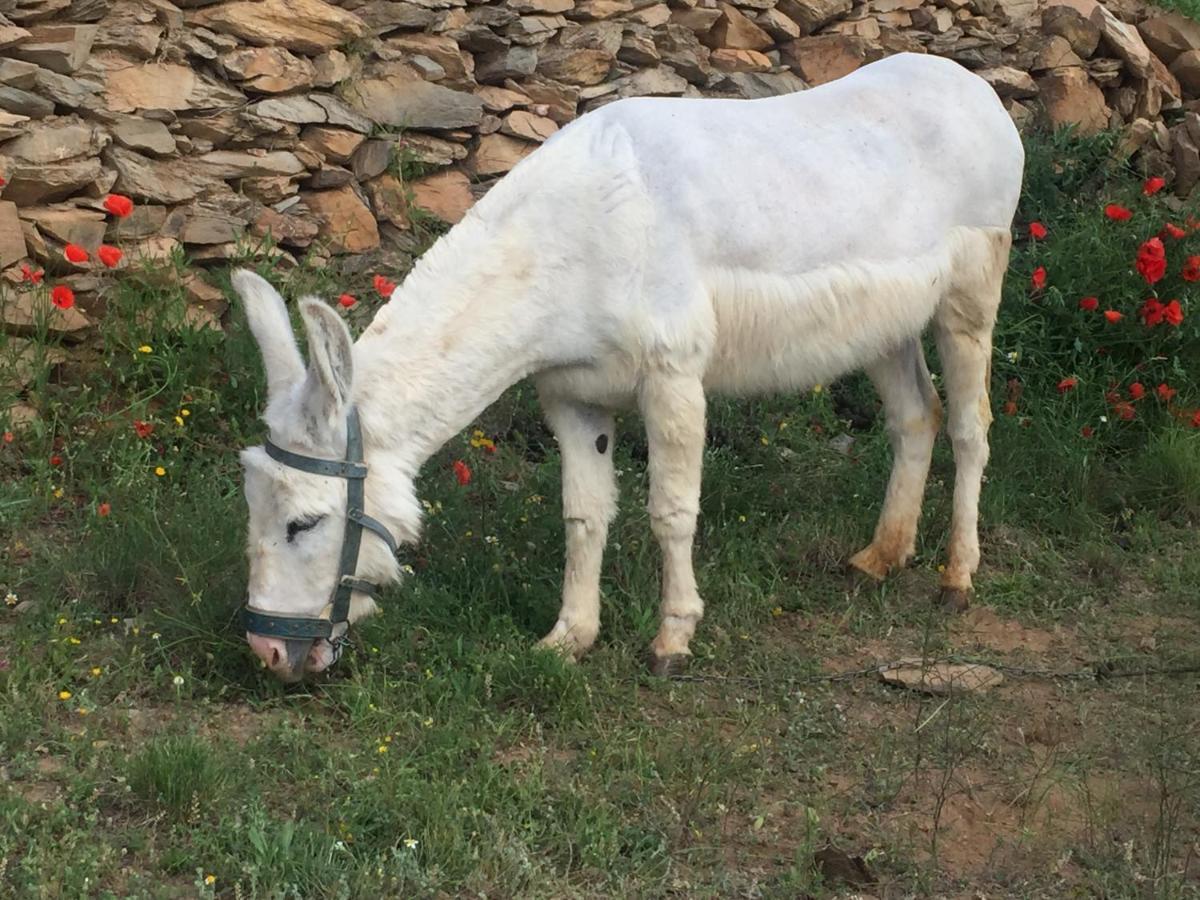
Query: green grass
pixel 446 757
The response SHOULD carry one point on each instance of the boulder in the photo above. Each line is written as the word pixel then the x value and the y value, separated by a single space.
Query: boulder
pixel 55 140
pixel 575 66
pixel 1123 40
pixel 166 86
pixel 1069 97
pixel 32 183
pixel 156 181
pixel 823 58
pixel 68 224
pixel 813 14
pixel 335 144
pixel 346 224
pixel 727 60
pixel 269 70
pixel 1008 82
pixel 497 154
pixel 446 195
pixel 1074 27
pixel 1170 34
pixel 143 135
pixel 524 124
pixel 735 31
pixel 1186 69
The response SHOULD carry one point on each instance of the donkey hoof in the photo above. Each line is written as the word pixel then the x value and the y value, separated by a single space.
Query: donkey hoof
pixel 866 568
pixel 955 600
pixel 668 666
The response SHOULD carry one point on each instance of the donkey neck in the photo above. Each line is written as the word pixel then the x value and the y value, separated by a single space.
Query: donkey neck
pixel 466 324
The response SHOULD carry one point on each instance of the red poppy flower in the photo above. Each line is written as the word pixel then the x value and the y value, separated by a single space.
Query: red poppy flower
pixel 1067 384
pixel 62 296
pixel 1124 410
pixel 1118 213
pixel 1191 269
pixel 1039 277
pixel 1086 431
pixel 1196 419
pixel 384 287
pixel 143 429
pixel 119 205
pixel 109 255
pixel 1173 313
pixel 1010 408
pixel 1137 391
pixel 9 437
pixel 1111 397
pixel 103 509
pixel 31 275
pixel 56 460
pixel 3 181
pixel 75 254
pixel 1152 260
pixel 1113 316
pixel 1089 303
pixel 346 300
pixel 1151 312
pixel 1153 185
pixel 1037 230
pixel 1170 229
pixel 462 472
pixel 1165 392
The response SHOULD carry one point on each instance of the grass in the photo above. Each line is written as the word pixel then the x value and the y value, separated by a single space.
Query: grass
pixel 445 757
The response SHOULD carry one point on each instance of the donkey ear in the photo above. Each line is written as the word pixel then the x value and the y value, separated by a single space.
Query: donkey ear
pixel 331 361
pixel 269 322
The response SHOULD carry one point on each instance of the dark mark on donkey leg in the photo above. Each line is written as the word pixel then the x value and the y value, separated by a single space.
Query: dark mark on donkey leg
pixel 602 443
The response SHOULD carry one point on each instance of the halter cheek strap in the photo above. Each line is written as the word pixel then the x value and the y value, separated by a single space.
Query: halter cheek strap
pixel 334 621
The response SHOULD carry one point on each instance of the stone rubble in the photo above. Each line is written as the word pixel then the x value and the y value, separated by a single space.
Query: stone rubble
pixel 330 125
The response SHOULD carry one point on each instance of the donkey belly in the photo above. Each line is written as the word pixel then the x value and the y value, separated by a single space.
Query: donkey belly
pixel 789 332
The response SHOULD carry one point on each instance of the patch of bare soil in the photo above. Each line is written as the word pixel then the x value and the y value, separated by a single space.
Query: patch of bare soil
pixel 982 627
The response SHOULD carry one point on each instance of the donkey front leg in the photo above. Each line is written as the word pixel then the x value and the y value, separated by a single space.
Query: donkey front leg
pixel 589 488
pixel 673 408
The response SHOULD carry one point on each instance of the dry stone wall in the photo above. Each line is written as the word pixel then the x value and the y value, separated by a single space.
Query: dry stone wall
pixel 330 126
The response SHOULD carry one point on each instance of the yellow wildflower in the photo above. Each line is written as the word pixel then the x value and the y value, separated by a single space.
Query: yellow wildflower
pixel 777 611
pixel 817 388
pixel 64 695
pixel 96 671
pixel 58 492
pixel 764 440
pixel 210 879
pixel 145 348
pixel 82 711
pixel 179 421
pixel 73 640
pixel 185 412
pixel 160 471
pixel 382 748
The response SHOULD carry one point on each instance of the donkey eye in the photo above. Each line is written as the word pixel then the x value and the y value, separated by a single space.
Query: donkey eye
pixel 305 524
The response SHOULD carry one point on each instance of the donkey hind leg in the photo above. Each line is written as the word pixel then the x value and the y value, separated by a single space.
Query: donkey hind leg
pixel 672 406
pixel 589 489
pixel 914 415
pixel 963 327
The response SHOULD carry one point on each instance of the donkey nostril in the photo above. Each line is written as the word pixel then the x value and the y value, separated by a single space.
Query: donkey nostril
pixel 274 657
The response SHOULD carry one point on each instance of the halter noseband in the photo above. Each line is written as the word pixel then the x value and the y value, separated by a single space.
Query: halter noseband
pixel 333 627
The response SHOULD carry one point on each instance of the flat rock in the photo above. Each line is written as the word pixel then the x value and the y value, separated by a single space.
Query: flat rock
pixel 269 70
pixel 59 48
pixel 56 140
pixel 1170 34
pixel 497 154
pixel 389 200
pixel 230 164
pixel 26 310
pixel 143 135
pixel 1008 82
pixel 753 85
pixel 383 16
pixel 559 101
pixel 166 86
pixel 12 242
pixel 310 109
pixel 18 74
pixel 661 82
pixel 931 677
pixel 813 14
pixel 305 26
pixel 33 183
pixel 727 60
pixel 157 181
pixel 334 67
pixel 1070 97
pixel 210 223
pixel 288 230
pixel 824 58
pixel 68 224
pixel 372 159
pixel 429 149
pixel 69 91
pixel 19 102
pixel 1054 53
pixel 335 144
pixel 498 99
pixel 682 50
pixel 778 25
pixel 446 195
pixel 403 100
pixel 524 124
pixel 500 65
pixel 1123 40
pixel 581 66
pixel 346 224
pixel 541 7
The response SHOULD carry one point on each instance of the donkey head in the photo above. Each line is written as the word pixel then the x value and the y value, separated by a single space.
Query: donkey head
pixel 298 518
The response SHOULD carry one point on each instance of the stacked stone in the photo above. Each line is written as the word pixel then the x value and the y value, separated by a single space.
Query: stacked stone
pixel 326 125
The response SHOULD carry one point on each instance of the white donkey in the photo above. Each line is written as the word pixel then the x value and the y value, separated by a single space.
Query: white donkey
pixel 651 252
